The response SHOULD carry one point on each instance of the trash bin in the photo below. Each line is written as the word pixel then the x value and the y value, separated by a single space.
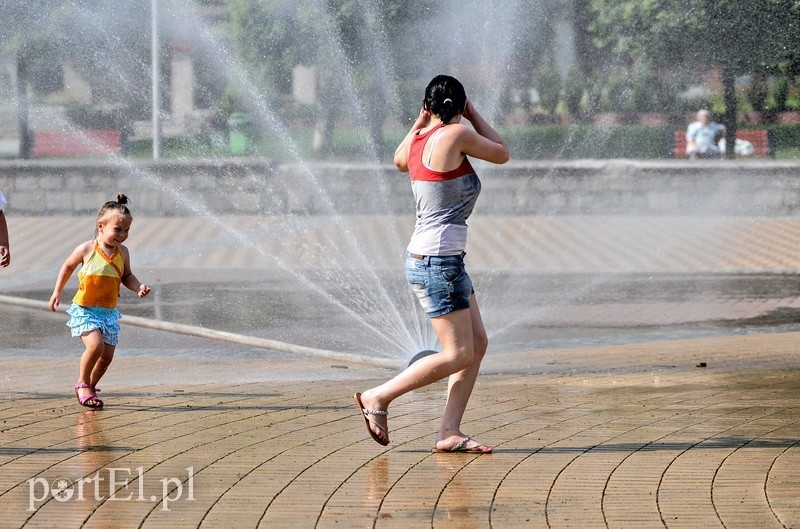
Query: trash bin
pixel 240 131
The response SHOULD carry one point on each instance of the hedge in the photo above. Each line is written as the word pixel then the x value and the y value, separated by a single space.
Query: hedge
pixel 529 142
pixel 614 141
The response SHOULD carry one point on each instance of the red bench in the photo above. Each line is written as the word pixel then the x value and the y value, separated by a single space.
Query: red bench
pixel 76 142
pixel 763 144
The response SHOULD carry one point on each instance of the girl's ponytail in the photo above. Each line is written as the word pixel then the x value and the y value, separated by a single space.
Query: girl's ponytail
pixel 114 207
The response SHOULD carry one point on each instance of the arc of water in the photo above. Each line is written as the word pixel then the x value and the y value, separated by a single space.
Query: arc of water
pixel 389 315
pixel 265 113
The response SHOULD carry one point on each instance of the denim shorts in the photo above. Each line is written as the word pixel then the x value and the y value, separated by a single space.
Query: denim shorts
pixel 441 284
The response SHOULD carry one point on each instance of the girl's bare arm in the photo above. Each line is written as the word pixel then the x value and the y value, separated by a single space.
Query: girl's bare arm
pixel 69 266
pixel 130 281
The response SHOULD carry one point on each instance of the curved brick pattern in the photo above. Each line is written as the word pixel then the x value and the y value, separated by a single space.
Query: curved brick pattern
pixel 615 436
pixel 630 443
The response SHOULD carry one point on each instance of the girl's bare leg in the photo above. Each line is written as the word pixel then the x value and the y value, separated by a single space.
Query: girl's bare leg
pixel 93 341
pixel 101 366
pixel 456 336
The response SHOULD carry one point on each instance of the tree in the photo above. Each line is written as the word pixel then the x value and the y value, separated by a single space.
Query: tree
pixel 735 36
pixel 547 81
pixel 99 38
pixel 349 42
pixel 26 27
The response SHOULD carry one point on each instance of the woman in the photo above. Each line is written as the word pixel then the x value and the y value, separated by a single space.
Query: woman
pixel 445 188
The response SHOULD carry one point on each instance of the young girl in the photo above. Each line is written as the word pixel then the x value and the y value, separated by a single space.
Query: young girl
pixel 93 314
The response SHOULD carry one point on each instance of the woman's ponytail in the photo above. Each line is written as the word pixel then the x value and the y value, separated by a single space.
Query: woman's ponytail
pixel 445 97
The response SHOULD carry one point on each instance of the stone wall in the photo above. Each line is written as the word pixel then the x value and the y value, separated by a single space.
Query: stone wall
pixel 255 186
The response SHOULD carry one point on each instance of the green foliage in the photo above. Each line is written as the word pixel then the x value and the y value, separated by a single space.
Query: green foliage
pixel 265 36
pixel 574 88
pixel 551 142
pixel 273 36
pixel 793 98
pixel 30 21
pixel 588 141
pixel 733 36
pixel 547 82
pixel 619 141
pixel 758 91
pixel 654 92
pixel 620 91
pixel 350 43
pixel 594 93
pixel 740 35
pixel 779 94
pixel 786 136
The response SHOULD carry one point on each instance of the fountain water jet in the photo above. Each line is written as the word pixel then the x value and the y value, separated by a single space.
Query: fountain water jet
pixel 381 306
pixel 392 320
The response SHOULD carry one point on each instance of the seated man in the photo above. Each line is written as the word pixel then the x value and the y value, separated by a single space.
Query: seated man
pixel 702 136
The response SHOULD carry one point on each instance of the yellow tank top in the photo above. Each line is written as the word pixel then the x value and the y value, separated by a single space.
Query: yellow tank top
pixel 99 279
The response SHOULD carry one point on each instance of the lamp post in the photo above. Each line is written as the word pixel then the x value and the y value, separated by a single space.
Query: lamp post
pixel 154 60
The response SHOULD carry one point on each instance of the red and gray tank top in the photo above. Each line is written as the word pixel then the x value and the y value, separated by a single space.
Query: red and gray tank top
pixel 444 201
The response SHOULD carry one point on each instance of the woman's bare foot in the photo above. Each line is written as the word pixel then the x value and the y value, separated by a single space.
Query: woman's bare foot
pixel 375 417
pixel 461 444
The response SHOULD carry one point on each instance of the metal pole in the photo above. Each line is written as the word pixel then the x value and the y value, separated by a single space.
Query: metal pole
pixel 156 75
pixel 23 110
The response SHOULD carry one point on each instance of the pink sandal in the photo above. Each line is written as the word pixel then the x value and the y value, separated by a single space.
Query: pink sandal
pixel 90 400
pixel 95 391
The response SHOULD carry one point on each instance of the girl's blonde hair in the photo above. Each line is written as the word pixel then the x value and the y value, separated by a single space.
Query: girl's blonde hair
pixel 114 207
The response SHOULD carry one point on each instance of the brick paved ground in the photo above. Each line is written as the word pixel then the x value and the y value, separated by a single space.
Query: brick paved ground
pixel 213 434
pixel 641 438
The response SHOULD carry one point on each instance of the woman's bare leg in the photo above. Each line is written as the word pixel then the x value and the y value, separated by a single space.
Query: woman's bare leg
pixel 456 336
pixel 461 384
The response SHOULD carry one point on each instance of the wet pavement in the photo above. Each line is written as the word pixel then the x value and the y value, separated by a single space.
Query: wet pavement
pixel 540 280
pixel 635 435
pixel 663 394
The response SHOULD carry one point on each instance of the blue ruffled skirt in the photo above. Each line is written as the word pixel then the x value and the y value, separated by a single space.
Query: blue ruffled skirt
pixel 88 319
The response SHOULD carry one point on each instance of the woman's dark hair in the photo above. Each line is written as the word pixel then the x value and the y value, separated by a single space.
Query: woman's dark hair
pixel 445 97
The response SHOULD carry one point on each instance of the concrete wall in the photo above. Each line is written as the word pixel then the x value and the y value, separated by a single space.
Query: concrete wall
pixel 255 186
